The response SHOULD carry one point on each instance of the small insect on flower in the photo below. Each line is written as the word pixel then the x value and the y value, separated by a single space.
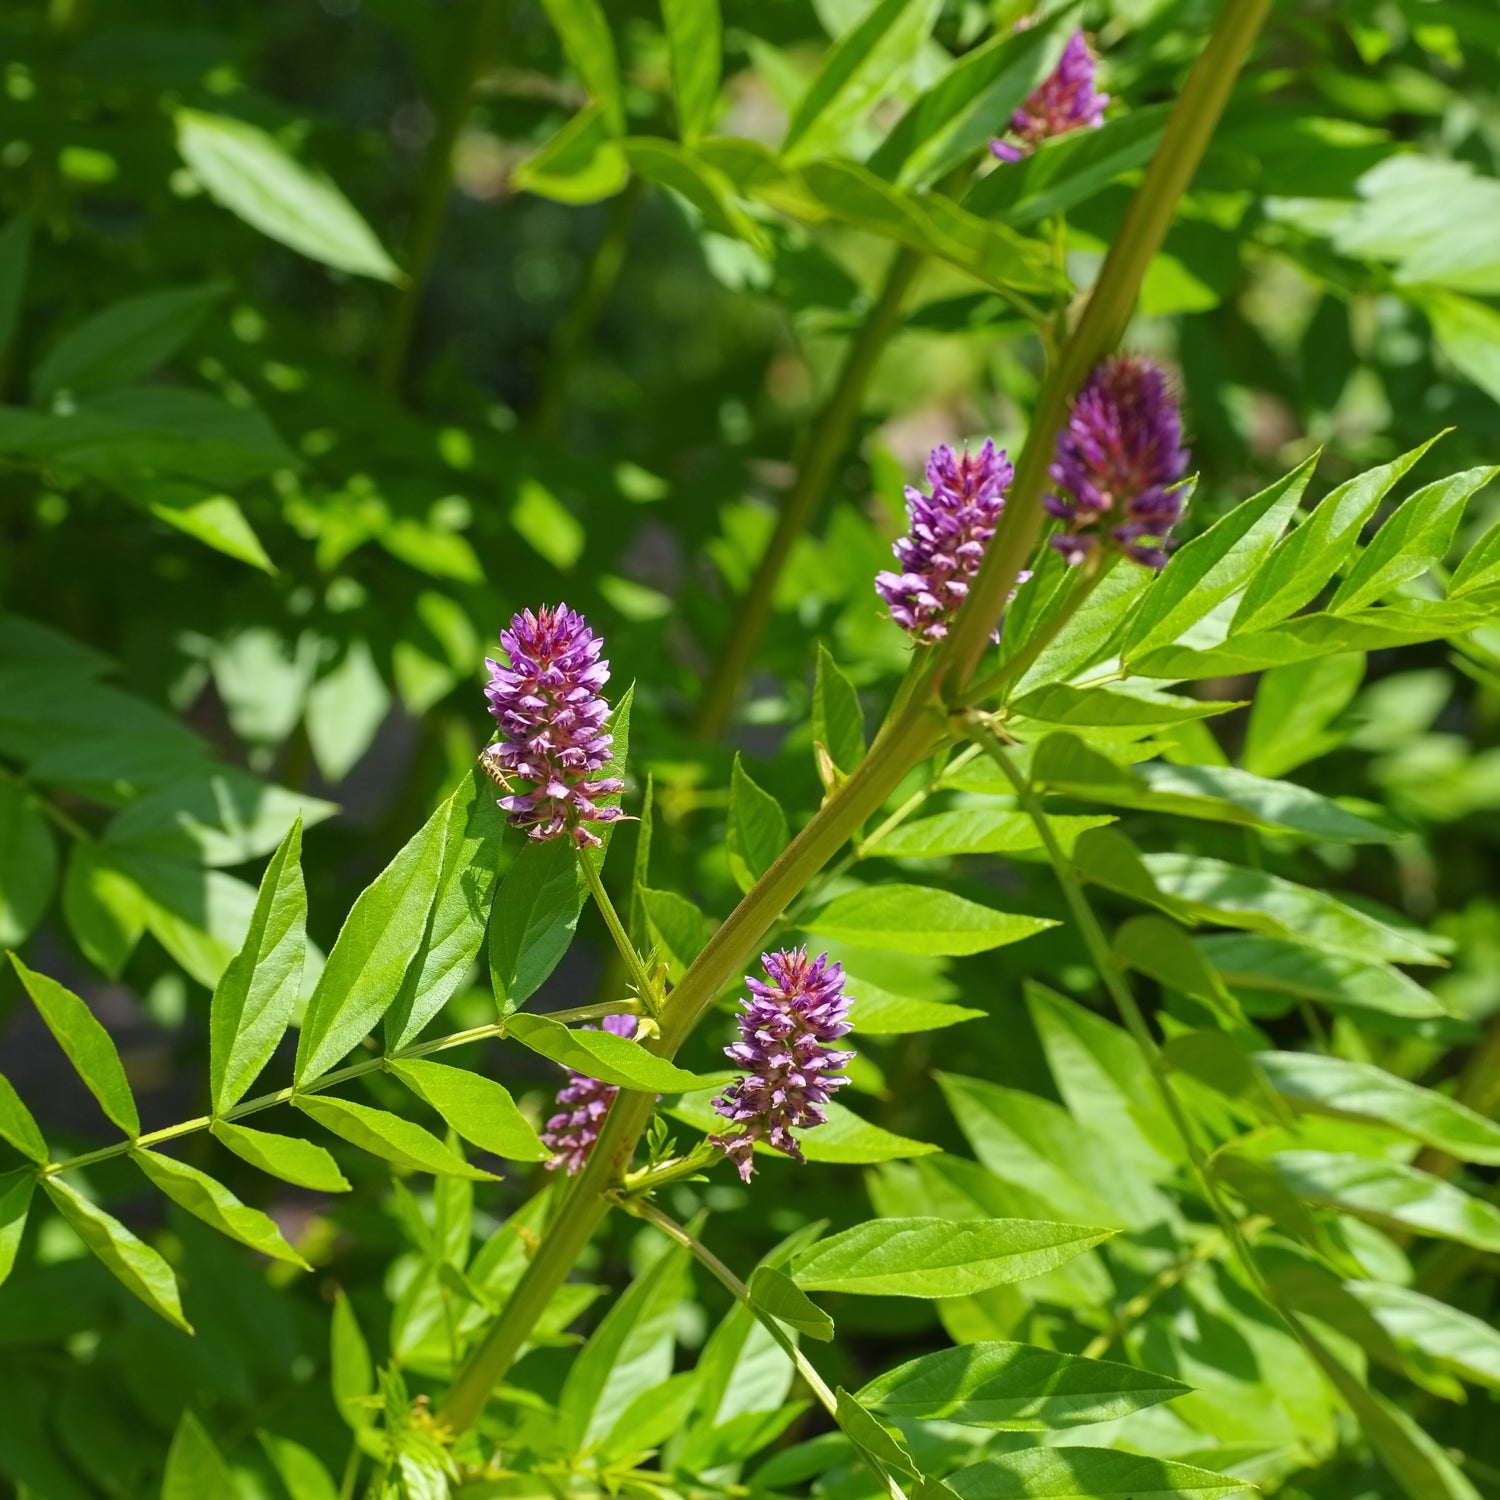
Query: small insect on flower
pixel 582 1105
pixel 551 712
pixel 1064 101
pixel 1118 456
pixel 945 545
pixel 785 1046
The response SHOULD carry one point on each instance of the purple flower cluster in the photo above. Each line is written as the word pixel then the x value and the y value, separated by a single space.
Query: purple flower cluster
pixel 1065 100
pixel 582 1104
pixel 1117 456
pixel 785 1047
pixel 551 713
pixel 949 532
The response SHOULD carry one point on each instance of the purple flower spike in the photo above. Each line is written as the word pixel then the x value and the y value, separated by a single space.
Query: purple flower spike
pixel 949 532
pixel 1117 457
pixel 784 1047
pixel 1065 100
pixel 582 1105
pixel 551 713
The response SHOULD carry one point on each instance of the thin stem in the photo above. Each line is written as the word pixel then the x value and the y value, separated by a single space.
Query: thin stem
pixel 826 442
pixel 351 1472
pixel 578 322
pixel 471 46
pixel 48 809
pixel 318 1086
pixel 641 979
pixel 644 1209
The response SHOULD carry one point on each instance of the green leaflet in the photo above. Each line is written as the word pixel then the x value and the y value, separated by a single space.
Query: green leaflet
pixel 351 1370
pixel 874 1011
pixel 1296 714
pixel 976 830
pixel 1163 951
pixel 584 31
pixel 87 1044
pixel 1465 1345
pixel 28 864
pixel 920 919
pixel 1089 1474
pixel 18 1126
pixel 677 927
pixel 298 1468
pixel 288 1157
pixel 255 996
pixel 935 1258
pixel 602 1055
pixel 133 1261
pixel 1336 1086
pixel 704 186
pixel 582 163
pixel 212 1202
pixel 16 1189
pixel 695 44
pixel 873 1436
pixel 1139 707
pixel 838 722
pixel 478 1108
pixel 195 1469
pixel 757 830
pixel 776 1293
pixel 844 1137
pixel 388 1136
pixel 1015 1386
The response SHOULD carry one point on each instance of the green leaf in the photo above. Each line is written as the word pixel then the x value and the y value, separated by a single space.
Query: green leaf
pixel 1250 961
pixel 582 163
pixel 105 909
pixel 351 1370
pixel 536 915
pixel 874 1011
pixel 1295 713
pixel 867 62
pixel 935 1258
pixel 1297 570
pixel 478 1108
pixel 133 1261
pixel 757 830
pixel 1104 856
pixel 584 31
pixel 845 1137
pixel 15 1199
pixel 212 1202
pixel 1242 897
pixel 1361 1091
pixel 602 1055
pixel 1458 1342
pixel 17 1125
pixel 677 926
pixel 776 1293
pixel 254 998
pixel 288 1157
pixel 28 864
pixel 1468 333
pixel 870 1435
pixel 1089 1474
pixel 195 1470
pixel 959 111
pixel 247 172
pixel 1061 704
pixel 1016 1386
pixel 685 173
pixel 345 709
pixel 122 343
pixel 1212 566
pixel 388 1136
pixel 1415 539
pixel 1388 1193
pixel 919 919
pixel 838 722
pixel 87 1044
pixel 15 252
pixel 218 522
pixel 630 1351
pixel 552 530
pixel 695 47
pixel 460 910
pixel 299 1469
pixel 976 830
pixel 1164 952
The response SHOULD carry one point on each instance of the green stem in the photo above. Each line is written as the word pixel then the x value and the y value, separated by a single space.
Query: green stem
pixel 578 322
pixel 641 979
pixel 351 1472
pixel 643 1209
pixel 318 1086
pixel 1108 310
pixel 65 822
pixel 470 46
pixel 826 442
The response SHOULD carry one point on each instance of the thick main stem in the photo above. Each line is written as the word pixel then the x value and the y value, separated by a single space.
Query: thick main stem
pixel 826 442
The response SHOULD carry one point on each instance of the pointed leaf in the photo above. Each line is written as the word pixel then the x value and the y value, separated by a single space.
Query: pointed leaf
pixel 87 1044
pixel 843 1137
pixel 1467 1346
pixel 299 1469
pixel 388 1136
pixel 15 1198
pixel 478 1108
pixel 584 29
pixel 255 996
pixel 133 1261
pixel 195 1470
pixel 977 830
pixel 288 1157
pixel 870 1435
pixel 18 1126
pixel 602 1055
pixel 1090 1474
pixel 536 915
pixel 838 722
pixel 28 864
pixel 757 830
pixel 920 919
pixel 352 1371
pixel 695 46
pixel 776 1293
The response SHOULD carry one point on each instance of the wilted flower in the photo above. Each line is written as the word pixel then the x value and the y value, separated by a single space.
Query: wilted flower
pixel 1117 456
pixel 784 1045
pixel 583 1103
pixel 1065 100
pixel 949 532
pixel 549 707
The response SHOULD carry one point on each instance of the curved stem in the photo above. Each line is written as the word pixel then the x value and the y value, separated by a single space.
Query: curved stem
pixel 826 442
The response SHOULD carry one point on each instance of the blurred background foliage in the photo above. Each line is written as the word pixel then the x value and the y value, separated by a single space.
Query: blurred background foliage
pixel 262 512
